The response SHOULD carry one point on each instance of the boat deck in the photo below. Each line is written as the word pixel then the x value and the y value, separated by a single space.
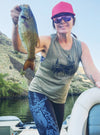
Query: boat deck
pixel 35 132
pixel 12 123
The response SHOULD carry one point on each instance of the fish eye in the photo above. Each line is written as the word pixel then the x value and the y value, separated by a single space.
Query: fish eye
pixel 23 17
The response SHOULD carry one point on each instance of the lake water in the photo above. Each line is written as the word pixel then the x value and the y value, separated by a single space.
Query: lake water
pixel 20 108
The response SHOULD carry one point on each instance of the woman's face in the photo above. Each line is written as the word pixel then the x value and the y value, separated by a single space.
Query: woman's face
pixel 63 24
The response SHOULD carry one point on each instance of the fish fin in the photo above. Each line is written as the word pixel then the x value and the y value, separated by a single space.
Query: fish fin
pixel 29 64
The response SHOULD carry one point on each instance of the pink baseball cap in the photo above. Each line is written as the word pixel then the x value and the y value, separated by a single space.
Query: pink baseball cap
pixel 62 7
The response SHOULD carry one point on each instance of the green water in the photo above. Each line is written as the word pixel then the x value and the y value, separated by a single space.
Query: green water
pixel 20 108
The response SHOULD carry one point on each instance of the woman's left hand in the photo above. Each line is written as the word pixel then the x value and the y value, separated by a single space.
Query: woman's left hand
pixel 98 84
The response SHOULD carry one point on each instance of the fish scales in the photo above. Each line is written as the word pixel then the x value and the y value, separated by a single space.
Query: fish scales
pixel 28 33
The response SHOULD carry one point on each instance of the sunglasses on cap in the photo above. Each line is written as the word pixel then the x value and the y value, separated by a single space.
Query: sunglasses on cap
pixel 59 19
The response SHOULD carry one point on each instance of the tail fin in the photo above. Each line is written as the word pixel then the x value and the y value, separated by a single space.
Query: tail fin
pixel 29 64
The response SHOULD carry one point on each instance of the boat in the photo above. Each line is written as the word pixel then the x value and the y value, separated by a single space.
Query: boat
pixel 85 115
pixel 12 125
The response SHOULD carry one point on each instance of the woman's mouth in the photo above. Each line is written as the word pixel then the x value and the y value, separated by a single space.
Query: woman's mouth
pixel 63 26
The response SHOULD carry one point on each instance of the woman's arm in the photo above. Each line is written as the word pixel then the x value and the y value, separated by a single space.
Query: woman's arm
pixel 88 65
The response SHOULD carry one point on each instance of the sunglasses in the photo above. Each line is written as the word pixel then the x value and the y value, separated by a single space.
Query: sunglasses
pixel 59 19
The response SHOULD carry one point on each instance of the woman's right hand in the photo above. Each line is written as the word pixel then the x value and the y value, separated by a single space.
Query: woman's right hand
pixel 15 14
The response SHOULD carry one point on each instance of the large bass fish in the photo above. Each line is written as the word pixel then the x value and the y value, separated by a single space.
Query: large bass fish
pixel 28 34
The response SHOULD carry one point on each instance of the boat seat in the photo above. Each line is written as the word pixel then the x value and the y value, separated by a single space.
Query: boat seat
pixel 6 130
pixel 93 123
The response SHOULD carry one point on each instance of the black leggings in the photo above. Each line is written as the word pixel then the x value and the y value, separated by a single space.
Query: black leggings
pixel 48 116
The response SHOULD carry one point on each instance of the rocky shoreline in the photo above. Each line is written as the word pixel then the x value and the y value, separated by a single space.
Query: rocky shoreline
pixel 12 65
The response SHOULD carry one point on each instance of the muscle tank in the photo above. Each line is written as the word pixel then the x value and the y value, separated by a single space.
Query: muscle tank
pixel 55 72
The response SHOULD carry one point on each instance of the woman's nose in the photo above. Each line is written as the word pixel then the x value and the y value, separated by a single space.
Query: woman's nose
pixel 62 21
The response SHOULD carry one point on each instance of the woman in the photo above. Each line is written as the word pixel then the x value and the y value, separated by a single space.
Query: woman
pixel 61 56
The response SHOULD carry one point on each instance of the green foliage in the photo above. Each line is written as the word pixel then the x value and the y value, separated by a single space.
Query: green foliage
pixel 79 84
pixel 22 72
pixel 17 54
pixel 9 89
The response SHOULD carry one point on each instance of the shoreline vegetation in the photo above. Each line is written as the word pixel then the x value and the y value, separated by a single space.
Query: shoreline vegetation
pixel 14 82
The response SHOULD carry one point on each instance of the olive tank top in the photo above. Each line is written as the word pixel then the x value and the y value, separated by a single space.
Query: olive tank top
pixel 55 72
